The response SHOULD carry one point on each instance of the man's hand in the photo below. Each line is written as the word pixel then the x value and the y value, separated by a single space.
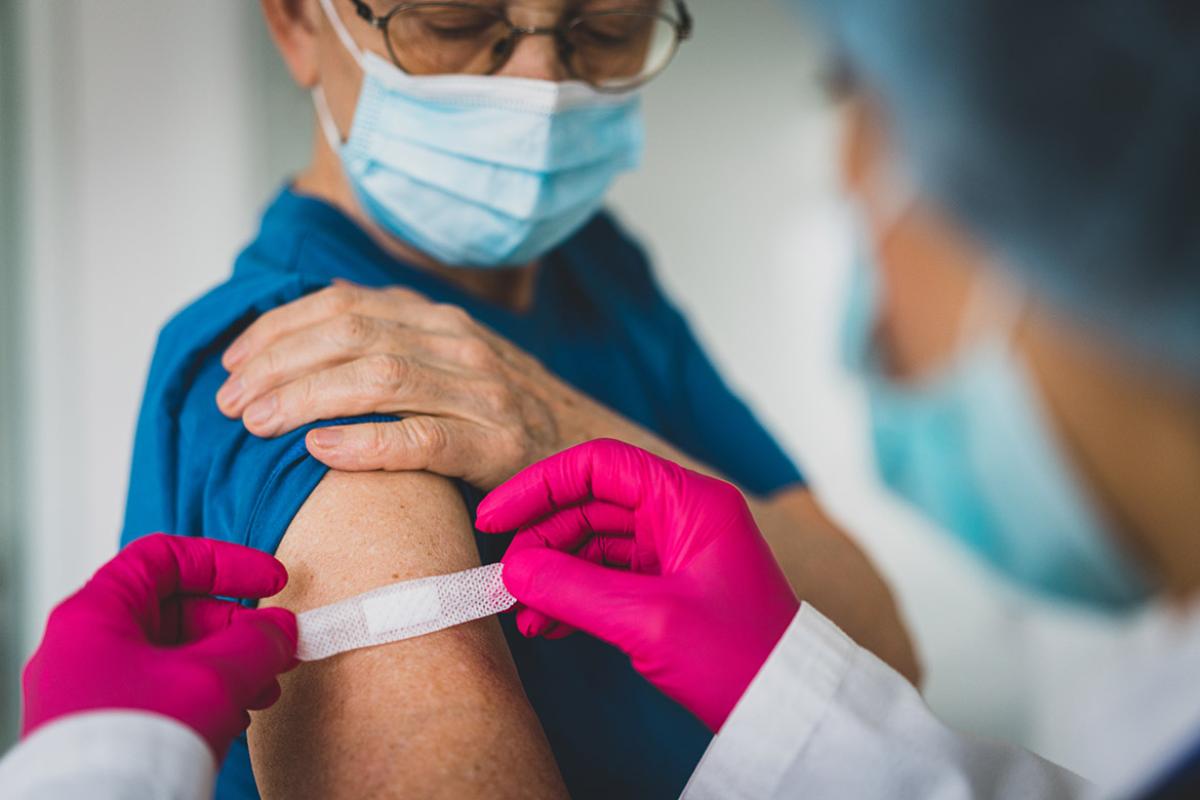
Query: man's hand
pixel 660 561
pixel 474 405
pixel 146 634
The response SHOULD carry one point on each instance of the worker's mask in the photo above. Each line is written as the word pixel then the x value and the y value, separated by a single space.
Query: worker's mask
pixel 974 449
pixel 480 171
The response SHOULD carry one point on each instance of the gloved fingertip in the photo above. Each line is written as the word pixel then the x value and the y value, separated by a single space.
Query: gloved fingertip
pixel 484 516
pixel 517 570
pixel 528 624
pixel 285 621
pixel 282 577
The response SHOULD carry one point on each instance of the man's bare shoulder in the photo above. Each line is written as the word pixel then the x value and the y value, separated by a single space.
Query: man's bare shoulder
pixel 362 530
pixel 442 715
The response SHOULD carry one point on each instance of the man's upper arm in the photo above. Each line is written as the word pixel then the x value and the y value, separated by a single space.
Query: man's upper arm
pixel 442 715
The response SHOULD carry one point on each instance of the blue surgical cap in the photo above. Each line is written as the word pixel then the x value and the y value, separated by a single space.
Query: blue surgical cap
pixel 1064 134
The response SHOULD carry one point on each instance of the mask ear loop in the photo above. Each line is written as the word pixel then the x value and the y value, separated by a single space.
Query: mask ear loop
pixel 324 115
pixel 325 119
pixel 343 34
pixel 890 196
pixel 995 307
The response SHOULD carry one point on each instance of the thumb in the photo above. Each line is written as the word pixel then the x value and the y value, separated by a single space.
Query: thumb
pixel 610 604
pixel 414 443
pixel 260 643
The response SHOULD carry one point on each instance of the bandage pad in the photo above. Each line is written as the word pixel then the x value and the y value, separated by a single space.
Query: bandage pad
pixel 402 611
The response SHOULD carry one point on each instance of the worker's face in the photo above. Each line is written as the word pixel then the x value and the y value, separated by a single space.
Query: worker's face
pixel 927 269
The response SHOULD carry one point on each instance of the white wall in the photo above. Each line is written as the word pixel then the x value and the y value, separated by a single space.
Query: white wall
pixel 157 129
pixel 142 179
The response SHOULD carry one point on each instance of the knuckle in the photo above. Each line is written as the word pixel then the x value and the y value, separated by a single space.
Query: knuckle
pixel 476 354
pixel 728 494
pixel 403 293
pixel 385 370
pixel 351 330
pixel 453 316
pixel 338 298
pixel 293 399
pixel 496 397
pixel 264 368
pixel 510 453
pixel 606 448
pixel 428 436
pixel 60 615
pixel 377 442
pixel 290 402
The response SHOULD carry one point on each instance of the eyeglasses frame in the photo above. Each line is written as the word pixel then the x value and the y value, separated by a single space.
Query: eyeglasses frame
pixel 684 29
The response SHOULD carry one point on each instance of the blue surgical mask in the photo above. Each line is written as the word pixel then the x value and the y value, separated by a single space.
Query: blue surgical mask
pixel 973 450
pixel 481 171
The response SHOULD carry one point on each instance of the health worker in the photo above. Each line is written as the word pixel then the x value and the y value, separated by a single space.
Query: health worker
pixel 144 678
pixel 1025 321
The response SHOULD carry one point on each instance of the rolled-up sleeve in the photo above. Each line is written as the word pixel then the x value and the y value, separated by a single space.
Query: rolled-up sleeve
pixel 826 718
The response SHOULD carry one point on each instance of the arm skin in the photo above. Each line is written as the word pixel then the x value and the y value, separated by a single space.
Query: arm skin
pixel 442 715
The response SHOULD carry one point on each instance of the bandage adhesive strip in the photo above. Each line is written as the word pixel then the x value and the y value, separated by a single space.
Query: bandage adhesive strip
pixel 402 611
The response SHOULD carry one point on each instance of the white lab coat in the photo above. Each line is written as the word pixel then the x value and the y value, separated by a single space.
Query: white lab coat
pixel 826 719
pixel 110 755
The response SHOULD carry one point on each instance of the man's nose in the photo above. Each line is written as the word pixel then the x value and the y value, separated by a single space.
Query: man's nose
pixel 536 56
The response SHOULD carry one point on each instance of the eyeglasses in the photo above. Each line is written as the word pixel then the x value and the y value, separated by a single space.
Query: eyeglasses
pixel 614 50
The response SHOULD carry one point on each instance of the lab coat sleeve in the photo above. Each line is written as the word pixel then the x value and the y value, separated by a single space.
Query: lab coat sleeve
pixel 107 755
pixel 827 719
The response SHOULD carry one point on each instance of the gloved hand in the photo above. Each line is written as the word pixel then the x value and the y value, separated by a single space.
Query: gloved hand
pixel 144 634
pixel 664 563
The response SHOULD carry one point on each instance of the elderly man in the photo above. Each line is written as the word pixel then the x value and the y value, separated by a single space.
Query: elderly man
pixel 454 201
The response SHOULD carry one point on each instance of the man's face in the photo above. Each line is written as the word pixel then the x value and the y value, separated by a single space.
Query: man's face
pixel 601 40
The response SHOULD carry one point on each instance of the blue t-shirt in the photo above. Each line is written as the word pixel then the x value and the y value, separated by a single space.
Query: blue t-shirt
pixel 599 321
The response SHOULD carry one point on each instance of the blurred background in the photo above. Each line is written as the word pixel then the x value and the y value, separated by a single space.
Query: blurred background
pixel 139 141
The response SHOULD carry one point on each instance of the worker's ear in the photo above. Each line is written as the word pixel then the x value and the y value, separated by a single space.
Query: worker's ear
pixel 863 144
pixel 294 25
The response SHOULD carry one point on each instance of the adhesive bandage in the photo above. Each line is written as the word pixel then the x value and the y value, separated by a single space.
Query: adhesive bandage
pixel 402 611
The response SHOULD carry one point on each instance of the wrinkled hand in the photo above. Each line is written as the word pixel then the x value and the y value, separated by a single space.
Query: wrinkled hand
pixel 145 634
pixel 475 406
pixel 662 562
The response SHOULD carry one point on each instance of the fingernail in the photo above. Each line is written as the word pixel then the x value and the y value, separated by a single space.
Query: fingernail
pixel 325 438
pixel 260 412
pixel 235 353
pixel 231 392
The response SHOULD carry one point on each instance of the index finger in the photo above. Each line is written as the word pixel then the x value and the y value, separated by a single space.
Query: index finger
pixel 606 470
pixel 156 567
pixel 309 310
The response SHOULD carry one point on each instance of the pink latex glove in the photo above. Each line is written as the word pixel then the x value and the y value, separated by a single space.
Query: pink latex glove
pixel 662 562
pixel 145 635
